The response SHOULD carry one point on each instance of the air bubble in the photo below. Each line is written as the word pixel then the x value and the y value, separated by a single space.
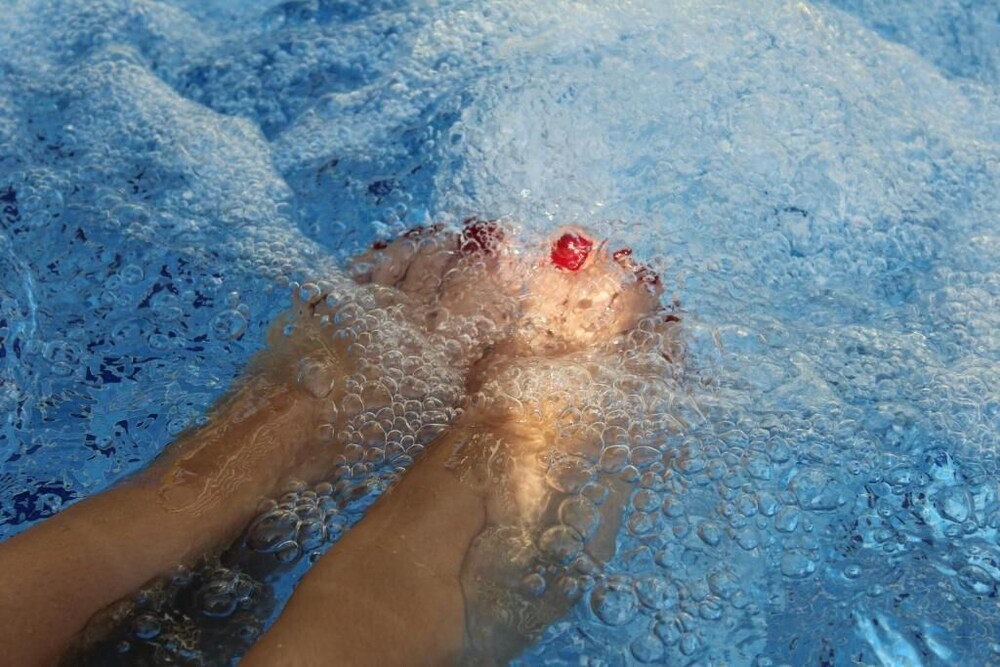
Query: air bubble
pixel 228 325
pixel 595 493
pixel 690 643
pixel 796 565
pixel 560 544
pixel 612 436
pixel 689 466
pixel 580 514
pixel 668 632
pixel 975 580
pixel 217 599
pixel 352 405
pixel 646 500
pixel 954 505
pixel 614 458
pixel 569 474
pixel 533 585
pixel 311 534
pixel 614 602
pixel 746 539
pixel 288 552
pixel 787 519
pixel 747 505
pixel 710 609
pixel 640 523
pixel 724 584
pixel 767 503
pixel 710 533
pixel 310 293
pixel 146 626
pixel 131 274
pixel 648 649
pixel 656 592
pixel 816 491
pixel 642 456
pixel 316 376
pixel 271 530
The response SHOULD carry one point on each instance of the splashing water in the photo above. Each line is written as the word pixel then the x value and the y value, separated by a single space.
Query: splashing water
pixel 816 182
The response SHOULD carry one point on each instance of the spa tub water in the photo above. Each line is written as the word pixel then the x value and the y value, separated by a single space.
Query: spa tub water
pixel 817 183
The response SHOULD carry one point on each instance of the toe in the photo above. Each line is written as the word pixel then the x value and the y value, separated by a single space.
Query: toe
pixel 393 262
pixel 414 263
pixel 385 263
pixel 591 298
pixel 435 254
pixel 482 279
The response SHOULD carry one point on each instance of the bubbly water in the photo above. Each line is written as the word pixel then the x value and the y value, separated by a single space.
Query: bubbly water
pixel 817 182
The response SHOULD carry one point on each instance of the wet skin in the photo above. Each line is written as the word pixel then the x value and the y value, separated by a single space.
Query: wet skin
pixel 411 554
pixel 425 578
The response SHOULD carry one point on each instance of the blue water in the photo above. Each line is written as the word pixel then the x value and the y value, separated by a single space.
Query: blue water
pixel 817 182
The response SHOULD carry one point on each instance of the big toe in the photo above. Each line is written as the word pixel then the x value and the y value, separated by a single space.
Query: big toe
pixel 582 295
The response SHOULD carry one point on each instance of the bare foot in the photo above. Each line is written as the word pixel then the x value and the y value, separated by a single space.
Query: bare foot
pixel 453 274
pixel 365 374
pixel 493 533
pixel 554 440
pixel 579 294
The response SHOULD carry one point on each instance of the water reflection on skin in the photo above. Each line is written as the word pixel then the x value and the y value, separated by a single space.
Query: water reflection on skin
pixel 489 522
pixel 529 377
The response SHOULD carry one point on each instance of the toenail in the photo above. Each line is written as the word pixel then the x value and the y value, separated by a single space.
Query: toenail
pixel 571 251
pixel 380 245
pixel 480 236
pixel 643 273
pixel 647 276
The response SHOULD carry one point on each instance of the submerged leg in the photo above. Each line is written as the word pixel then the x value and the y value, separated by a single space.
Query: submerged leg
pixel 282 421
pixel 467 559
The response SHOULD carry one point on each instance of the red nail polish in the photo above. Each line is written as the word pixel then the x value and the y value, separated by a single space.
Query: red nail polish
pixel 420 232
pixel 622 254
pixel 643 273
pixel 480 236
pixel 571 251
pixel 647 276
pixel 380 245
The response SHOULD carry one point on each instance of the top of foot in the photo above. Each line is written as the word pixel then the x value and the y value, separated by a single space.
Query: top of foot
pixel 561 297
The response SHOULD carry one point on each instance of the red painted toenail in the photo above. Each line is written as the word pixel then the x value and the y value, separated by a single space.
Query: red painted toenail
pixel 380 245
pixel 571 251
pixel 646 275
pixel 622 254
pixel 643 273
pixel 480 236
pixel 419 232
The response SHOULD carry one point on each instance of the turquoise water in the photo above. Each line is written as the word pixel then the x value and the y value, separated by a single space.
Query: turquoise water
pixel 816 182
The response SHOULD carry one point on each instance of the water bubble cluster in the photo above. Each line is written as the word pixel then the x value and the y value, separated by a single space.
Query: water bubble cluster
pixel 298 523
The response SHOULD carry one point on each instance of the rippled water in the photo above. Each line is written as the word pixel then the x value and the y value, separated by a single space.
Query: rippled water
pixel 818 182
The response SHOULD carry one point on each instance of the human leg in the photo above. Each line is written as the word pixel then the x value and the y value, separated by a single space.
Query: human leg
pixel 283 420
pixel 445 567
